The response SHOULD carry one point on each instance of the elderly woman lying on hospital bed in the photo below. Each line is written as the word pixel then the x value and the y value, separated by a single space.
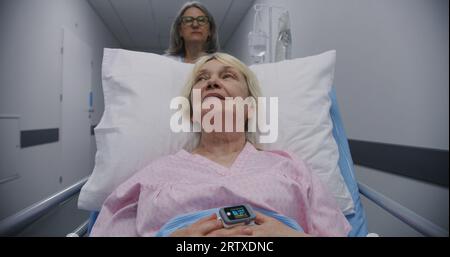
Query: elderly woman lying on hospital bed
pixel 181 194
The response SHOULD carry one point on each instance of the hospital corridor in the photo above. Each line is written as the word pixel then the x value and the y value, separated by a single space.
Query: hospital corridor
pixel 111 118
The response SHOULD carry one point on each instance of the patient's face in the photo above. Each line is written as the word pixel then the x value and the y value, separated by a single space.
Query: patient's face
pixel 217 80
pixel 216 77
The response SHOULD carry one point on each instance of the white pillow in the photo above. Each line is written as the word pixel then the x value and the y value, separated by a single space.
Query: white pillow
pixel 305 127
pixel 135 128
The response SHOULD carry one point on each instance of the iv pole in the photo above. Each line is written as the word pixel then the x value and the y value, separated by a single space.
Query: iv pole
pixel 258 8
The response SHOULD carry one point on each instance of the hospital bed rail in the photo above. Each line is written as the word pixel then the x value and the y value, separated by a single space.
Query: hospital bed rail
pixel 80 230
pixel 415 221
pixel 15 223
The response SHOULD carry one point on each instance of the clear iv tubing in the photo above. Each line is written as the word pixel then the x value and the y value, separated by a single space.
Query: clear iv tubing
pixel 258 8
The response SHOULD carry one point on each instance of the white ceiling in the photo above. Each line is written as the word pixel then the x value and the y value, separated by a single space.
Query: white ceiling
pixel 145 24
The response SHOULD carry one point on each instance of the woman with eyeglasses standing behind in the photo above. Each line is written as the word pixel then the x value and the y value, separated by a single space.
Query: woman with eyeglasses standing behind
pixel 193 34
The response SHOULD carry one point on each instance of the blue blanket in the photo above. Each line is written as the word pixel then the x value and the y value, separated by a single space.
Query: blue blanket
pixel 185 220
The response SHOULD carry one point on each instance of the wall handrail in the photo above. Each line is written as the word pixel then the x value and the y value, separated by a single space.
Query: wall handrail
pixel 9 178
pixel 13 224
pixel 9 116
pixel 415 221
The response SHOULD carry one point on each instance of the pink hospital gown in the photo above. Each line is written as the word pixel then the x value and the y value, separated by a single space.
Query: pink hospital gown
pixel 184 182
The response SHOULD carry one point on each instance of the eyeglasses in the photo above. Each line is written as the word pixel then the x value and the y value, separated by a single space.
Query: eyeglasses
pixel 189 20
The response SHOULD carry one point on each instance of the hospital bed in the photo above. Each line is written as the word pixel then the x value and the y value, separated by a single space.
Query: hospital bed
pixel 12 225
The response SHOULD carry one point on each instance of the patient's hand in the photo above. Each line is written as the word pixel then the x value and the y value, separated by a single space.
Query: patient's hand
pixel 268 226
pixel 209 226
pixel 265 227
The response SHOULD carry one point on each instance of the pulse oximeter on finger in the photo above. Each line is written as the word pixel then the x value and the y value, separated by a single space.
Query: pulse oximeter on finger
pixel 237 215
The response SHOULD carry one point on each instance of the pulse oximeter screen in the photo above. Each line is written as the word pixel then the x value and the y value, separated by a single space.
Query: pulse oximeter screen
pixel 238 212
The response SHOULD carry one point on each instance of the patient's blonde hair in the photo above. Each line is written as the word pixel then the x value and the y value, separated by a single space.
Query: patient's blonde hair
pixel 250 79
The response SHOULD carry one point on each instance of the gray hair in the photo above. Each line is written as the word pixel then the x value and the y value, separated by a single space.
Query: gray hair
pixel 176 43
